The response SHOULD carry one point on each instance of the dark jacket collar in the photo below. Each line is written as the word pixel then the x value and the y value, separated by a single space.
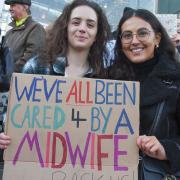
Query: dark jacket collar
pixel 13 23
pixel 166 67
pixel 161 81
pixel 60 64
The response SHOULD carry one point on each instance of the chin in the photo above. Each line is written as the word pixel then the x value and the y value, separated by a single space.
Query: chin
pixel 80 48
pixel 137 60
pixel 14 17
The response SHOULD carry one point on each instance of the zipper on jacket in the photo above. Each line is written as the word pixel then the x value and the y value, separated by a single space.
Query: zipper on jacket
pixel 157 117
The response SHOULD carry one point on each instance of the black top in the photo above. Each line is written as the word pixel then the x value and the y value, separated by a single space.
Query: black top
pixel 142 70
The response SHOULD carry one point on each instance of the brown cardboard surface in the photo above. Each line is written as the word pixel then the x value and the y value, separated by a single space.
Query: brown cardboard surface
pixel 72 128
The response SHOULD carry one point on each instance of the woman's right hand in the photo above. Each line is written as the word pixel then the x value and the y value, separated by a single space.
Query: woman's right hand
pixel 4 141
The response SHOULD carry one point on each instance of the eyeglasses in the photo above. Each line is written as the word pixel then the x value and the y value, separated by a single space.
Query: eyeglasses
pixel 142 35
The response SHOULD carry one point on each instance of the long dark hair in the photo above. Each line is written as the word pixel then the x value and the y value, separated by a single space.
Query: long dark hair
pixel 57 41
pixel 122 68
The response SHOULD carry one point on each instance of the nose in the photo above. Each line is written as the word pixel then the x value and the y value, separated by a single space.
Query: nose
pixel 82 27
pixel 134 39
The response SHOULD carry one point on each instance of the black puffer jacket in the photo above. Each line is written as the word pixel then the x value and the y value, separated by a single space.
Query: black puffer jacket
pixel 160 108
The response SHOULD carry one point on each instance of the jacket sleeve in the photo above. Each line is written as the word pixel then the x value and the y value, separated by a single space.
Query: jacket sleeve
pixel 34 66
pixel 172 146
pixel 29 67
pixel 34 43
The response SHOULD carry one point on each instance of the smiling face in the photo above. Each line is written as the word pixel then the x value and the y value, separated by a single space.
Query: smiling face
pixel 139 49
pixel 82 28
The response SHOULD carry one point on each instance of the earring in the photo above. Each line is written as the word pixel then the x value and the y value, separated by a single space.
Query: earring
pixel 157 46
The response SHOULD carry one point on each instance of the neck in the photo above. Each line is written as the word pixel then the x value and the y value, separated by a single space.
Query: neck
pixel 77 58
pixel 142 70
pixel 77 63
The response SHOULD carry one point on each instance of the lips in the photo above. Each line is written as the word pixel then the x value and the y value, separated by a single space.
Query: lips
pixel 137 50
pixel 81 38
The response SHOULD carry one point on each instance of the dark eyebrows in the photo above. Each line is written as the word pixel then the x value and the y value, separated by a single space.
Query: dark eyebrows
pixel 91 21
pixel 140 29
pixel 75 18
pixel 88 20
pixel 126 32
pixel 143 28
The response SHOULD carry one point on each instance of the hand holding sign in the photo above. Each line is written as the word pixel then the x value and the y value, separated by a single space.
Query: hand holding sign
pixel 4 141
pixel 151 146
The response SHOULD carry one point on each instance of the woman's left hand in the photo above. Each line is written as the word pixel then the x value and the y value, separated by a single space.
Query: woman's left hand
pixel 151 146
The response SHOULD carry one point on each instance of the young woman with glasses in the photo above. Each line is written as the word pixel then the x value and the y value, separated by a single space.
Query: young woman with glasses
pixel 145 53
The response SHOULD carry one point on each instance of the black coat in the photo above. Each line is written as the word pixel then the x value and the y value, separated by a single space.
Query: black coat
pixel 160 108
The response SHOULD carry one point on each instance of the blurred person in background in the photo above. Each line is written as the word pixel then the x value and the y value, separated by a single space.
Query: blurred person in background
pixel 176 39
pixel 26 37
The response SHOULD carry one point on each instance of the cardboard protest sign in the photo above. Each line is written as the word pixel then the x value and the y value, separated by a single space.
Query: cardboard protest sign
pixel 169 21
pixel 72 129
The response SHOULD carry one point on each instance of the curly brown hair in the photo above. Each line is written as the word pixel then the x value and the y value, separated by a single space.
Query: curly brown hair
pixel 57 41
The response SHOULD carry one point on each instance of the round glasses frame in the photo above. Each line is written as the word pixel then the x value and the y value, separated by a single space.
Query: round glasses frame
pixel 140 37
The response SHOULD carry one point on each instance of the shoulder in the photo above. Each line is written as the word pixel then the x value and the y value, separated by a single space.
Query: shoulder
pixel 33 66
pixel 33 24
pixel 167 67
pixel 59 65
pixel 10 28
